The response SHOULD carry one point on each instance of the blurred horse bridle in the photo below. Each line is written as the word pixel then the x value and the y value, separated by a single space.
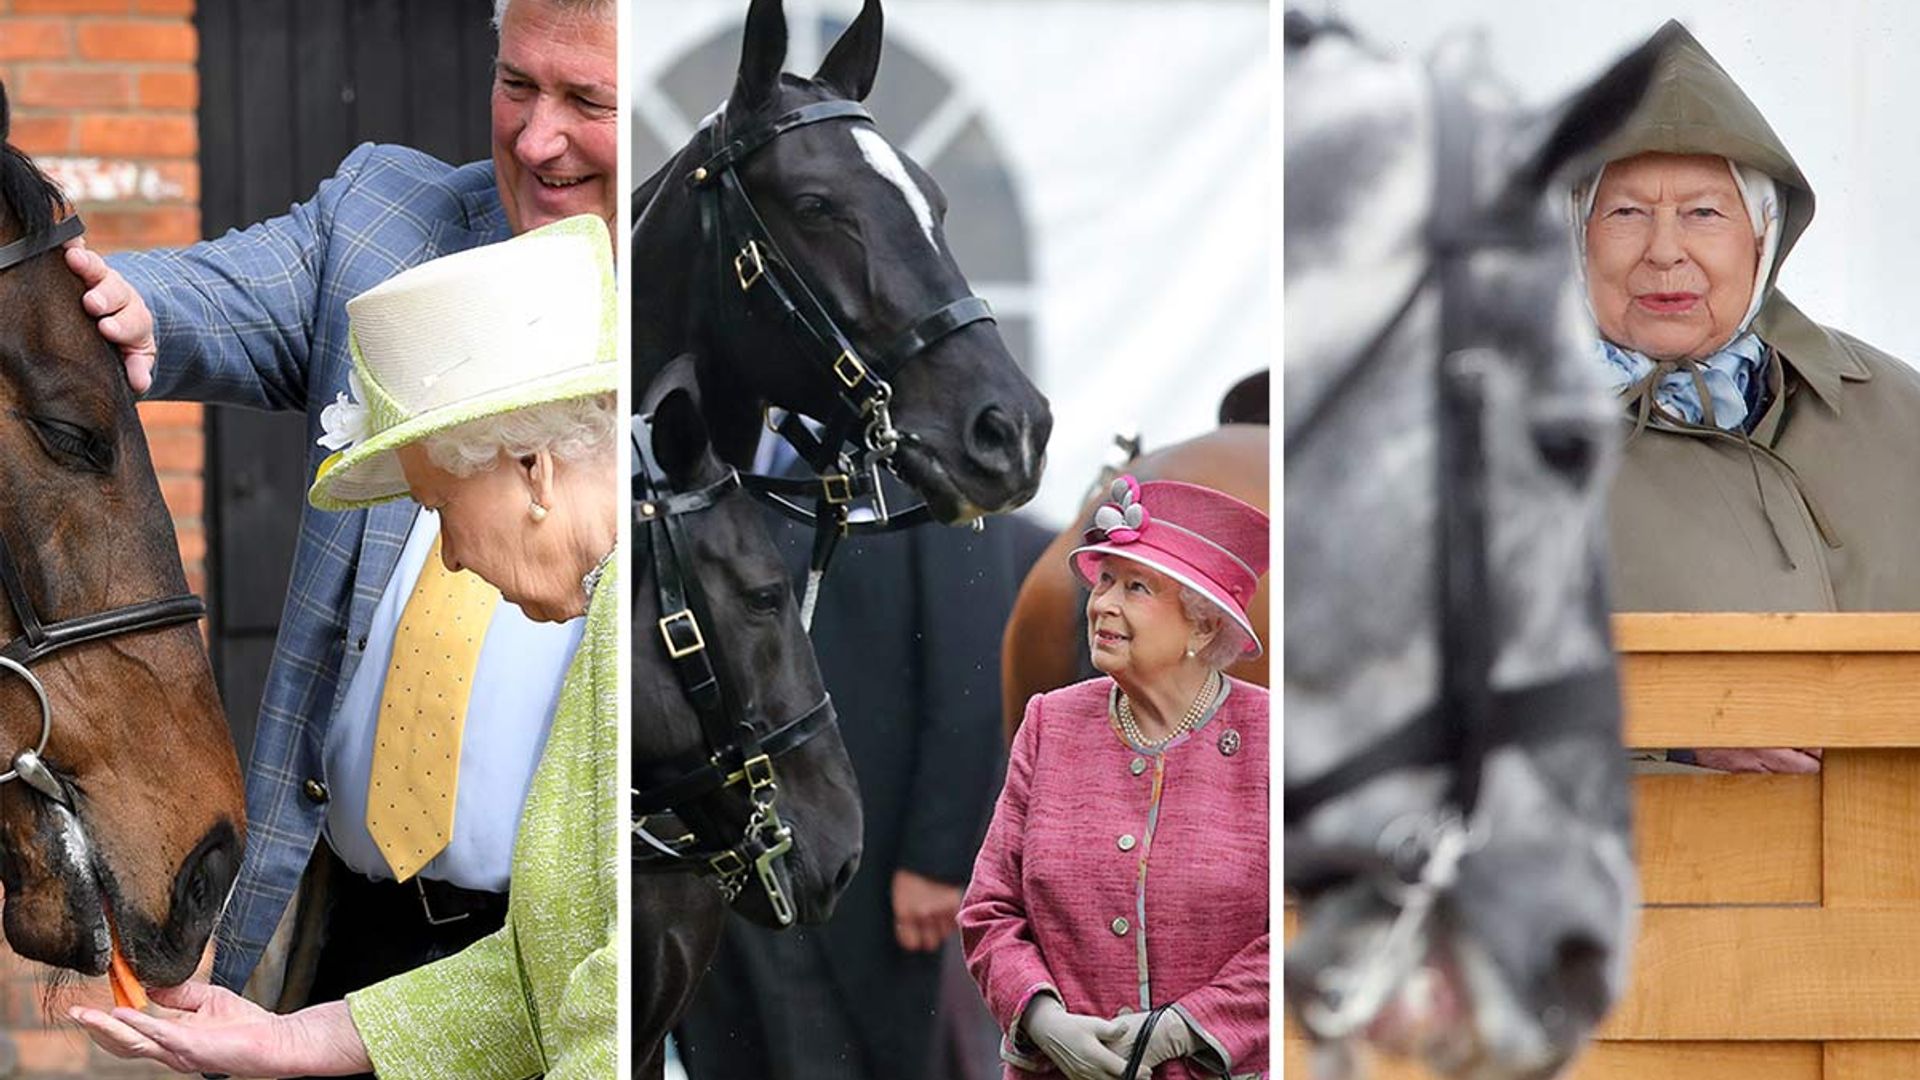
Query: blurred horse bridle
pixel 1417 862
pixel 734 753
pixel 753 279
pixel 39 638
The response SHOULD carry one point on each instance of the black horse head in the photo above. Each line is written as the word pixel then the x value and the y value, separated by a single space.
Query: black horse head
pixel 860 227
pixel 764 678
pixel 139 816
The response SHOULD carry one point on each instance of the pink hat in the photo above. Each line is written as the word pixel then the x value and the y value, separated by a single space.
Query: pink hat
pixel 1210 542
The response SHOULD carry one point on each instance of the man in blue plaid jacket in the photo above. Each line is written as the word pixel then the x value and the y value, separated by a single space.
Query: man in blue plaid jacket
pixel 258 318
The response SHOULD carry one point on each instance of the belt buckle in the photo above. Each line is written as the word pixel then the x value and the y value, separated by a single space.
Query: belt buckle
pixel 426 906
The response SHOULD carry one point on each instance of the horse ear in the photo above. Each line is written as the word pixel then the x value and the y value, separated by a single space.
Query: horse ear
pixel 854 60
pixel 762 54
pixel 6 117
pixel 679 437
pixel 1566 140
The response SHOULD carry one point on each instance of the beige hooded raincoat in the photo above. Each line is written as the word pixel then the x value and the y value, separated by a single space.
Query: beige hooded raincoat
pixel 1837 450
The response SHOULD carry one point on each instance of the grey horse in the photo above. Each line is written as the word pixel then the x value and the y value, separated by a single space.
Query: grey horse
pixel 1491 945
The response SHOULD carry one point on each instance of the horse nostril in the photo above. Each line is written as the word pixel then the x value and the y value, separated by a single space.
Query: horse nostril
pixel 205 877
pixel 1570 448
pixel 1577 982
pixel 993 438
pixel 845 877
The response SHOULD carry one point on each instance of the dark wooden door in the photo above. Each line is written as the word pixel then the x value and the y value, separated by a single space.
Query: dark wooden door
pixel 287 88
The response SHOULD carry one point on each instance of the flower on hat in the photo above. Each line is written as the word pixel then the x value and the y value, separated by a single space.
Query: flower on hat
pixel 1120 520
pixel 344 422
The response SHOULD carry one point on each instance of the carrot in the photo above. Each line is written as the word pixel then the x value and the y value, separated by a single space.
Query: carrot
pixel 127 991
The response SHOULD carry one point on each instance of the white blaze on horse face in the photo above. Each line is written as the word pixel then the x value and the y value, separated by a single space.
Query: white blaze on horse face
pixel 880 154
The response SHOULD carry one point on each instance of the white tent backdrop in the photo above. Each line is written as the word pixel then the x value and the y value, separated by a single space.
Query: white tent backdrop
pixel 1837 80
pixel 1135 133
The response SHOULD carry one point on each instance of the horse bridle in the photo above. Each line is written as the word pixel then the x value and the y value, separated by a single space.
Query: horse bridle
pixel 751 274
pixel 1418 861
pixel 735 753
pixel 39 638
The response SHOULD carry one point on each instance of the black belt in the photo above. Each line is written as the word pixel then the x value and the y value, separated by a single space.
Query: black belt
pixel 434 902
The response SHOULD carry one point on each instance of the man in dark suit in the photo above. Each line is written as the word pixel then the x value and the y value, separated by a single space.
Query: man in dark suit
pixel 908 635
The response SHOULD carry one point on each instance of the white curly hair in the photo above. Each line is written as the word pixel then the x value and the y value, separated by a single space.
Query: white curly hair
pixel 1228 642
pixel 582 7
pixel 571 430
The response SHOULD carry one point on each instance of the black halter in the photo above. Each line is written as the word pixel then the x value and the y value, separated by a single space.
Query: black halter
pixel 38 638
pixel 752 277
pixel 734 752
pixel 1469 718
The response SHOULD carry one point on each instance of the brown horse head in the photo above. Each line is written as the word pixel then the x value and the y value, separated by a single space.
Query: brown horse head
pixel 135 827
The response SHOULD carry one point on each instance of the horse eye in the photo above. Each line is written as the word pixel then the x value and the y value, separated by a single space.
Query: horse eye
pixel 71 444
pixel 812 207
pixel 765 600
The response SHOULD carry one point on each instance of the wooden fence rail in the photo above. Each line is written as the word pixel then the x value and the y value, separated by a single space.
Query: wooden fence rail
pixel 1781 933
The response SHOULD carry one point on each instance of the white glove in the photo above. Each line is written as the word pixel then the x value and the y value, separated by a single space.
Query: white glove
pixel 1171 1038
pixel 1080 1046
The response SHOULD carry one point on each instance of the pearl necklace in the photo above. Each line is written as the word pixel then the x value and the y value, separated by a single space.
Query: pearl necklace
pixel 1195 711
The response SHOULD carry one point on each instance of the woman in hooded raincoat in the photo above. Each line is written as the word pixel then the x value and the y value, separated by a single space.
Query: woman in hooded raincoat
pixel 1771 459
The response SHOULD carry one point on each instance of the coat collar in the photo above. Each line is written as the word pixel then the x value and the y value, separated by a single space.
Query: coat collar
pixel 1822 358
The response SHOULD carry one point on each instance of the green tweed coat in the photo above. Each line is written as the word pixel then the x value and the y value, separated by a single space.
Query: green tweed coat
pixel 538 996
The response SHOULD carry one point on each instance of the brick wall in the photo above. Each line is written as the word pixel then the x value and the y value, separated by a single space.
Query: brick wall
pixel 104 94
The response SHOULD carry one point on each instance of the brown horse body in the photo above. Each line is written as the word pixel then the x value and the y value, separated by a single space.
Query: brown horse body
pixel 1045 646
pixel 153 832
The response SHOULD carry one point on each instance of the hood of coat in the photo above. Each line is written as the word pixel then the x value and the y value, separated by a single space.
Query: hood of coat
pixel 1692 106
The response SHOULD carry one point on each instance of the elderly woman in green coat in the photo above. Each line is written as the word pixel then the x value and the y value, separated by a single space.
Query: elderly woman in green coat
pixel 485 389
pixel 1771 461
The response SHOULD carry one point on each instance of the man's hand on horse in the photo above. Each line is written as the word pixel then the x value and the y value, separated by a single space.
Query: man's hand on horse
pixel 120 313
pixel 1761 761
pixel 924 911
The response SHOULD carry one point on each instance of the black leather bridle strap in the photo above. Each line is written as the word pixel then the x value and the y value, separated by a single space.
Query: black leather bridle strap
pixel 1529 715
pixel 739 149
pixel 19 251
pixel 1465 585
pixel 39 639
pixel 928 332
pixel 697 775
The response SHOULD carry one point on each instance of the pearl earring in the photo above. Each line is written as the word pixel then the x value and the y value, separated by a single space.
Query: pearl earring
pixel 537 512
pixel 1190 653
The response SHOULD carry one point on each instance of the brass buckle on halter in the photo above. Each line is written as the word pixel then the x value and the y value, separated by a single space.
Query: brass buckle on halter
pixel 847 362
pixel 837 488
pixel 758 771
pixel 749 259
pixel 728 864
pixel 684 617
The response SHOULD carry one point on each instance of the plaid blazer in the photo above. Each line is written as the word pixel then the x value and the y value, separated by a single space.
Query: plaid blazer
pixel 259 318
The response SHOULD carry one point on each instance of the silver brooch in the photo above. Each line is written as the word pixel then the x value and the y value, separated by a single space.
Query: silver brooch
pixel 1229 742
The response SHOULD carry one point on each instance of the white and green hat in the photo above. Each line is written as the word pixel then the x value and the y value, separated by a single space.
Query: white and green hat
pixel 491 330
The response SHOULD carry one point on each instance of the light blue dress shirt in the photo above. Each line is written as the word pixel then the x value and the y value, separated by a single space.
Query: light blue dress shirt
pixel 509 711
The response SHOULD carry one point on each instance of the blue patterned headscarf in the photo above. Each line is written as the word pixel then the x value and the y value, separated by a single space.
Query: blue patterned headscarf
pixel 1733 377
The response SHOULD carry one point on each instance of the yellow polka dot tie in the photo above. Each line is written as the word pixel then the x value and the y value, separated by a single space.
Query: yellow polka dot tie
pixel 416 744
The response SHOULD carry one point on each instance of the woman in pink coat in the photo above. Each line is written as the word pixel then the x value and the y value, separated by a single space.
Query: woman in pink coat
pixel 1118 908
